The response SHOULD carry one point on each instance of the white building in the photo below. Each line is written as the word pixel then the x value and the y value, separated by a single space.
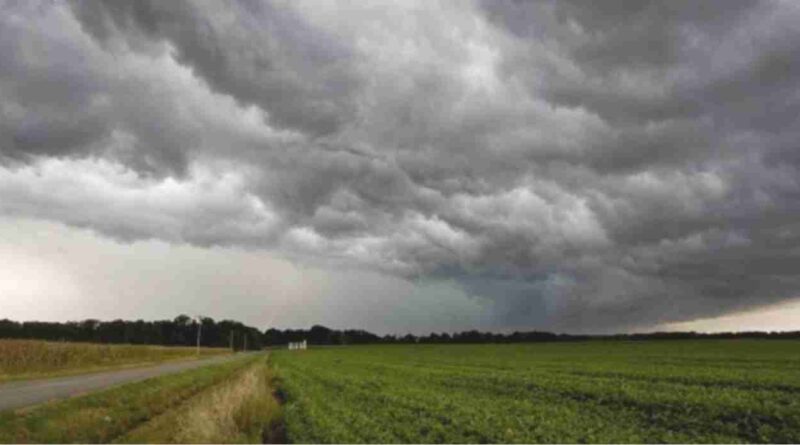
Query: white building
pixel 298 345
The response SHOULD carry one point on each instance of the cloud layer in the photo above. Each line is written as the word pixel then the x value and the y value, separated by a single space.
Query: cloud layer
pixel 581 166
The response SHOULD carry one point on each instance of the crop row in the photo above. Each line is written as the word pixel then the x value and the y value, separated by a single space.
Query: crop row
pixel 524 394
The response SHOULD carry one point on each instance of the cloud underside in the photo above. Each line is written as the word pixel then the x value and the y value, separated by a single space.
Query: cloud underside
pixel 591 165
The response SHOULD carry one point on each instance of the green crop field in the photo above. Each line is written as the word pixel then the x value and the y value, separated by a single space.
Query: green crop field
pixel 725 391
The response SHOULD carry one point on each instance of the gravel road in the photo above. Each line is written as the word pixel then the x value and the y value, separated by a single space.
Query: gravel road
pixel 20 394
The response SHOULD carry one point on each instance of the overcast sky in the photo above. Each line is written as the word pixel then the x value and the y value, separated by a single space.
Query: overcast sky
pixel 403 166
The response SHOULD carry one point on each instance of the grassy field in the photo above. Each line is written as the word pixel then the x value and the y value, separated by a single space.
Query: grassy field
pixel 112 414
pixel 726 391
pixel 22 359
pixel 240 410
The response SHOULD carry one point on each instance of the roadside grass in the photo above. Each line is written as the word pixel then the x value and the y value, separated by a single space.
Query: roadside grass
pixel 103 416
pixel 26 359
pixel 239 410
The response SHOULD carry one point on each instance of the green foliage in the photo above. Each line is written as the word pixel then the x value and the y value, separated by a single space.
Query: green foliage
pixel 726 391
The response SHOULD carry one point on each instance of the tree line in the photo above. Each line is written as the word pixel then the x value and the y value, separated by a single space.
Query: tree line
pixel 182 331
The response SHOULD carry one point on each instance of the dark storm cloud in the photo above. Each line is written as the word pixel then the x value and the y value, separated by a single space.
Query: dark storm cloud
pixel 38 100
pixel 266 56
pixel 582 165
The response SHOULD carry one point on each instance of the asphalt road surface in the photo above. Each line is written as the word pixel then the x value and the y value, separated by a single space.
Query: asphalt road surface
pixel 20 394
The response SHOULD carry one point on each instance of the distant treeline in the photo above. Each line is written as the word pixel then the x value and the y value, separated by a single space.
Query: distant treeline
pixel 321 335
pixel 182 331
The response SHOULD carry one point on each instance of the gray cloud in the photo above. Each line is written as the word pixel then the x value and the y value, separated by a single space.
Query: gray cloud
pixel 256 52
pixel 580 166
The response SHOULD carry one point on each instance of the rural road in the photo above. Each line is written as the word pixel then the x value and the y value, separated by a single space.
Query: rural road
pixel 15 395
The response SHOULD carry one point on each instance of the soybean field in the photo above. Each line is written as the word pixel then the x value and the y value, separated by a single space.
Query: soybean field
pixel 721 391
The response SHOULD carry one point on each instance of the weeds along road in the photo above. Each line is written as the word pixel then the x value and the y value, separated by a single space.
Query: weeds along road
pixel 15 395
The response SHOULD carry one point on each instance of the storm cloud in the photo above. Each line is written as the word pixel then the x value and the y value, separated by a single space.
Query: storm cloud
pixel 574 165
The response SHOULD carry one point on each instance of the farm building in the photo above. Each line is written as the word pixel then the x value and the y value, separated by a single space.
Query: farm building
pixel 298 345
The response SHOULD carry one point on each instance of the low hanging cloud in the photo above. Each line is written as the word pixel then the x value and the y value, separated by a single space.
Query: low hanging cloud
pixel 579 165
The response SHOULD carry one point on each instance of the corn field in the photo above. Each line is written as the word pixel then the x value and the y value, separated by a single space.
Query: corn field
pixel 32 357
